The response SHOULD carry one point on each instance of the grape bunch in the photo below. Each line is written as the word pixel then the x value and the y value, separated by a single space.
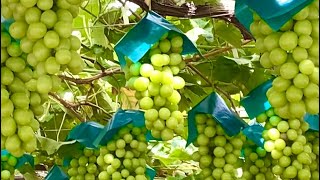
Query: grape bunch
pixel 156 83
pixel 291 154
pixel 123 157
pixel 218 154
pixel 293 52
pixel 17 118
pixel 35 47
pixel 84 166
pixel 8 162
pixel 257 163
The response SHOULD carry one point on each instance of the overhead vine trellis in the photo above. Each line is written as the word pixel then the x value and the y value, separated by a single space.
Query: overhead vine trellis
pixel 189 10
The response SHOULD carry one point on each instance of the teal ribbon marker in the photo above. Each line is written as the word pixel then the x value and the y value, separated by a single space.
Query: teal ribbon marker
pixel 256 102
pixel 217 108
pixel 274 12
pixel 136 43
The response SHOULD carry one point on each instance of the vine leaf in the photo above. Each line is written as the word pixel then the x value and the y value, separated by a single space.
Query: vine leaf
pixel 180 154
pixel 28 172
pixel 225 70
pixel 257 77
pixel 51 146
pixel 93 7
pixel 188 78
pixel 228 32
pixel 240 61
pixel 98 37
pixel 112 16
pixel 104 100
pixel 70 150
pixel 198 89
pixel 128 99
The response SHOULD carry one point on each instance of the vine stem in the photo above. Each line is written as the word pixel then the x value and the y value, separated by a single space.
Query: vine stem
pixel 214 52
pixel 62 122
pixel 226 94
pixel 93 61
pixel 134 13
pixel 67 105
pixel 93 78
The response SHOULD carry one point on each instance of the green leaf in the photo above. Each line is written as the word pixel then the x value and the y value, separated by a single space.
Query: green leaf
pixel 70 150
pixel 200 23
pixel 180 154
pixel 117 80
pixel 228 87
pixel 104 100
pixel 206 69
pixel 28 172
pixel 93 7
pixel 112 16
pixel 228 32
pixel 188 78
pixel 225 70
pixel 193 97
pixel 98 37
pixel 51 146
pixel 240 61
pixel 183 24
pixel 114 36
pixel 185 103
pixel 258 77
pixel 197 90
pixel 244 74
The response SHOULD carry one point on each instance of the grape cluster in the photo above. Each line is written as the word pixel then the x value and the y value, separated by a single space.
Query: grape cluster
pixel 156 83
pixel 290 146
pixel 293 52
pixel 85 165
pixel 8 162
pixel 123 157
pixel 257 163
pixel 34 48
pixel 218 154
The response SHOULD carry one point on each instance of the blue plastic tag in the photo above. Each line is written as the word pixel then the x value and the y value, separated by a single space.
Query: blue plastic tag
pixel 85 133
pixel 243 14
pixel 254 133
pixel 136 43
pixel 56 173
pixel 274 12
pixel 313 121
pixel 256 102
pixel 214 105
pixel 120 119
pixel 150 172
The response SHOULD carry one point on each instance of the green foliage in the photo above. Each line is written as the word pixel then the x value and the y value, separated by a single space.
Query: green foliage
pixel 228 32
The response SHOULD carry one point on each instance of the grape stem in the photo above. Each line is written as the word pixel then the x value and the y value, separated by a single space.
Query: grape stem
pixel 93 78
pixel 67 105
pixel 73 106
pixel 93 61
pixel 134 13
pixel 215 86
pixel 213 52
